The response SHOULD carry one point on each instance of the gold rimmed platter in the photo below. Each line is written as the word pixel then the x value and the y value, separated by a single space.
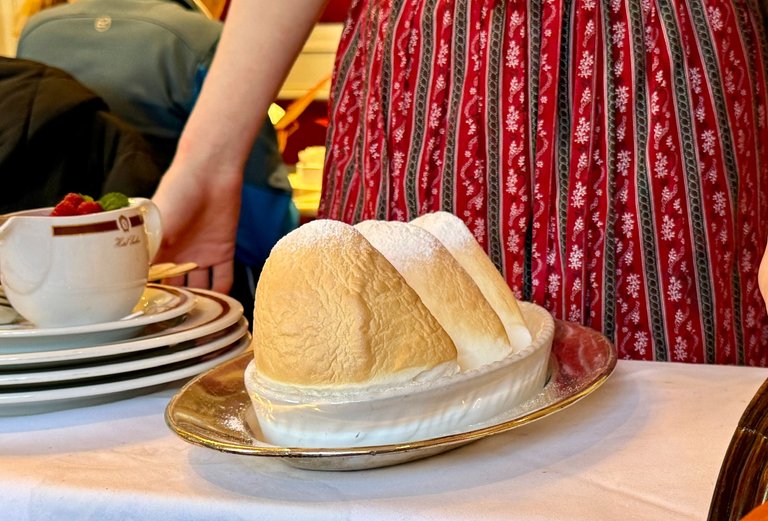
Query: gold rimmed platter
pixel 214 409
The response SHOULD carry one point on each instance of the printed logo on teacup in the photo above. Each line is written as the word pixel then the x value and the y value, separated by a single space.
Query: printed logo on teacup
pixel 106 226
pixel 121 242
pixel 124 223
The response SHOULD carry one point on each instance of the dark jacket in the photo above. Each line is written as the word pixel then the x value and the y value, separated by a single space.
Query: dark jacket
pixel 147 59
pixel 57 136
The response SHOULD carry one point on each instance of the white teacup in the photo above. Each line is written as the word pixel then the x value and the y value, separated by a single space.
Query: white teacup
pixel 78 270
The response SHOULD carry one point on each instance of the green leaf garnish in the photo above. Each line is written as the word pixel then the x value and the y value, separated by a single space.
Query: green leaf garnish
pixel 113 201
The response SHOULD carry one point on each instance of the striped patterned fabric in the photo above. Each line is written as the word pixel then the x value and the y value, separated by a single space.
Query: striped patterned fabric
pixel 611 156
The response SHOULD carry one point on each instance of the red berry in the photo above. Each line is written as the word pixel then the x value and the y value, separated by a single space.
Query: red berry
pixel 87 207
pixel 64 208
pixel 74 199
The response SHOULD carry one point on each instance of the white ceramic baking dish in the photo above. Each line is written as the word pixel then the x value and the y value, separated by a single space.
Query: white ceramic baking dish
pixel 290 417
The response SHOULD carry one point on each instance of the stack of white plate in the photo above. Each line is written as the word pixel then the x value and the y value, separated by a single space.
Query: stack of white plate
pixel 174 334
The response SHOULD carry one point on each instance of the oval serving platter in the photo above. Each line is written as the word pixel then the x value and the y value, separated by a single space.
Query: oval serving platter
pixel 214 410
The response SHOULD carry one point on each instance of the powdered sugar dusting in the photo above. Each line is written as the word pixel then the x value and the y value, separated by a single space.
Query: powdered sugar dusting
pixel 451 230
pixel 321 232
pixel 399 241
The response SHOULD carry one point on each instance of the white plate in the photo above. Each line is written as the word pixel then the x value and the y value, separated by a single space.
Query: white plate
pixel 158 303
pixel 143 360
pixel 72 394
pixel 212 312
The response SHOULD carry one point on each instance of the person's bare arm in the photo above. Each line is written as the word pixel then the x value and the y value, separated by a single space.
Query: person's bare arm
pixel 199 195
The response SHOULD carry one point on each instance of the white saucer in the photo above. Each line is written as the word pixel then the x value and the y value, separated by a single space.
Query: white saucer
pixel 65 396
pixel 157 304
pixel 143 360
pixel 212 312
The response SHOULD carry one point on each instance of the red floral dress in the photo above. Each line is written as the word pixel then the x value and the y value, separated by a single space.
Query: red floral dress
pixel 609 155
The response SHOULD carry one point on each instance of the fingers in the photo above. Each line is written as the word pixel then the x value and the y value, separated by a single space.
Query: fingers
pixel 223 277
pixel 218 278
pixel 200 278
pixel 176 281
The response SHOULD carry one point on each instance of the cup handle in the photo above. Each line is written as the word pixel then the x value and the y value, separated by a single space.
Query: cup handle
pixel 153 224
pixel 26 255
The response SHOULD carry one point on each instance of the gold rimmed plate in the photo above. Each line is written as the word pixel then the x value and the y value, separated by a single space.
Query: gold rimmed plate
pixel 214 410
pixel 92 391
pixel 158 303
pixel 212 312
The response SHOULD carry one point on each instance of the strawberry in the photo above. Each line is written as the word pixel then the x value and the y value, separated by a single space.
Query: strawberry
pixel 87 207
pixel 64 208
pixel 68 205
pixel 79 204
pixel 74 199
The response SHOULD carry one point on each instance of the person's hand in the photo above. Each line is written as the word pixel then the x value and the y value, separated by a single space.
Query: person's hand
pixel 200 224
pixel 762 277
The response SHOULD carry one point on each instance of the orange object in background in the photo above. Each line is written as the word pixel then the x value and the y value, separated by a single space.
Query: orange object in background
pixel 215 9
pixel 307 118
pixel 218 8
pixel 759 513
pixel 309 130
pixel 288 124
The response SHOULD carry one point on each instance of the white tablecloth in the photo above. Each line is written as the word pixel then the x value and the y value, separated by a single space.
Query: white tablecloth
pixel 646 446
